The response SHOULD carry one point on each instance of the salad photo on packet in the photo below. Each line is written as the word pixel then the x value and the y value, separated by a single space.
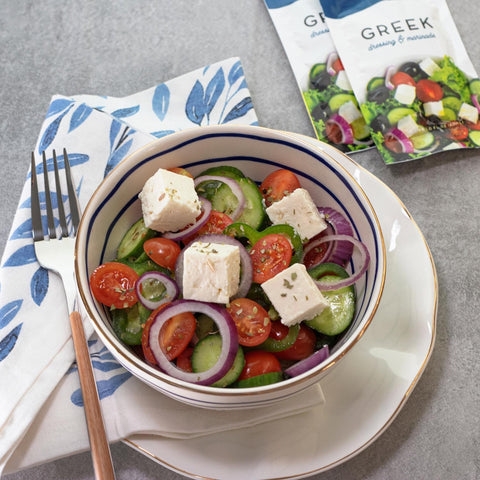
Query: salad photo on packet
pixel 416 86
pixel 319 72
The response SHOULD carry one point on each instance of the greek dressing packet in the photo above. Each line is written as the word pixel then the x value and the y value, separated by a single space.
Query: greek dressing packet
pixel 325 87
pixel 417 88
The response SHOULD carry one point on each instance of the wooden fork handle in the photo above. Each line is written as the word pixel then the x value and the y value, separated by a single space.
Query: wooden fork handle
pixel 102 460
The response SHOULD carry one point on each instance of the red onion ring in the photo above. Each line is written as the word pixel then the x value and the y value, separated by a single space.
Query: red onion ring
pixel 331 58
pixel 365 260
pixel 337 252
pixel 226 328
pixel 245 262
pixel 388 77
pixel 194 227
pixel 345 128
pixel 234 187
pixel 308 363
pixel 475 101
pixel 405 142
pixel 171 289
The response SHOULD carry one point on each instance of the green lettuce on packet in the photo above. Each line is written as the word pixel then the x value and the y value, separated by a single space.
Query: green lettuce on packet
pixel 417 88
pixel 326 89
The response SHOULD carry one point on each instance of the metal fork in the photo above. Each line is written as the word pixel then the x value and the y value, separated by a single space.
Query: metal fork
pixel 56 253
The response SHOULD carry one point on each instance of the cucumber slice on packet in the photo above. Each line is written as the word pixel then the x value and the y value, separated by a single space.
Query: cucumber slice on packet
pixel 422 140
pixel 396 114
pixel 474 136
pixel 338 100
pixel 375 82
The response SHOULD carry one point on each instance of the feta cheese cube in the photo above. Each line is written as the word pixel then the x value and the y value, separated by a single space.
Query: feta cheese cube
pixel 428 66
pixel 211 272
pixel 468 112
pixel 405 94
pixel 409 126
pixel 433 108
pixel 349 112
pixel 298 211
pixel 169 201
pixel 342 81
pixel 294 295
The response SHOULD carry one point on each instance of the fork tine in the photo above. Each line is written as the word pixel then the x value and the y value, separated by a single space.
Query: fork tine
pixel 61 211
pixel 48 200
pixel 72 194
pixel 37 226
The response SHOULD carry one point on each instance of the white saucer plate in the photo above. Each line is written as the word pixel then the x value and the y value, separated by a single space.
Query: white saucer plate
pixel 365 393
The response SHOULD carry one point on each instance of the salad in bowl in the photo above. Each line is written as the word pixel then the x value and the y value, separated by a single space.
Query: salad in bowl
pixel 222 274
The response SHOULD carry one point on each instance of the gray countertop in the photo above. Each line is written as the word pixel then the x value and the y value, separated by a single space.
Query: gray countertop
pixel 124 46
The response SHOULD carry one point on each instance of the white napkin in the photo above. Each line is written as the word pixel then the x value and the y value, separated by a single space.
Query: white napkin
pixel 35 342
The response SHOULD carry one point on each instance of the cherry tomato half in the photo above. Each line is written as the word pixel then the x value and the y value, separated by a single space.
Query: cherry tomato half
pixel 270 255
pixel 316 255
pixel 216 223
pixel 258 362
pixel 338 65
pixel 252 321
pixel 429 91
pixel 162 251
pixel 113 284
pixel 402 78
pixel 184 360
pixel 303 347
pixel 174 336
pixel 277 185
pixel 457 131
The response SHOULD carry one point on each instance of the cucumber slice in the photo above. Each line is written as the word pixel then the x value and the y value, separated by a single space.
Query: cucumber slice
pixel 224 171
pixel 422 140
pixel 475 137
pixel 375 82
pixel 453 103
pixel 205 326
pixel 360 129
pixel 327 268
pixel 223 200
pixel 260 380
pixel 205 355
pixel 339 314
pixel 316 69
pixel 396 114
pixel 448 115
pixel 145 265
pixel 132 242
pixel 338 100
pixel 475 86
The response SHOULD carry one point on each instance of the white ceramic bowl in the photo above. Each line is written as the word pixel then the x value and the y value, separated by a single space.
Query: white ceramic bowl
pixel 257 151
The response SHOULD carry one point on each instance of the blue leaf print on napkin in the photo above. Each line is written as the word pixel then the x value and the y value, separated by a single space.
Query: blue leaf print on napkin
pixel 240 109
pixel 160 101
pixel 126 112
pixel 8 342
pixel 73 158
pixel 105 366
pixel 58 105
pixel 195 106
pixel 117 156
pixel 22 231
pixel 214 89
pixel 162 133
pixel 114 129
pixel 8 312
pixel 105 388
pixel 50 132
pixel 39 285
pixel 80 114
pixel 235 73
pixel 23 256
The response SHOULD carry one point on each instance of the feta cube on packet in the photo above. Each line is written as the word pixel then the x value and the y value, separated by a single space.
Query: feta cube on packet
pixel 416 85
pixel 325 86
